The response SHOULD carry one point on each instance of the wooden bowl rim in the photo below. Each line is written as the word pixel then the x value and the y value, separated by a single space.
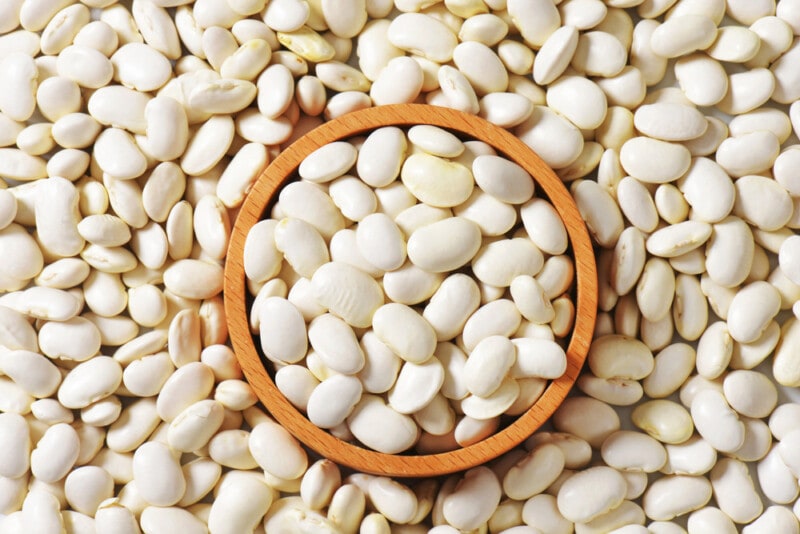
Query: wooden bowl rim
pixel 277 173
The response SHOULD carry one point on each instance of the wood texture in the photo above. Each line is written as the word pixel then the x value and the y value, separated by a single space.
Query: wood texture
pixel 283 168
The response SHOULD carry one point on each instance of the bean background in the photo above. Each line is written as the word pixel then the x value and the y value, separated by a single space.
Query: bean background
pixel 131 131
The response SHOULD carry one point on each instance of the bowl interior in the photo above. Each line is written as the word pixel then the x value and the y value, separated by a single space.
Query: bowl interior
pixel 283 169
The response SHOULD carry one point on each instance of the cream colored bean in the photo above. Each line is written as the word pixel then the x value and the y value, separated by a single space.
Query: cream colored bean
pixel 786 83
pixel 75 130
pixel 335 342
pixel 157 28
pixel 762 398
pixel 748 355
pixel 473 500
pixel 194 426
pixel 761 147
pixel 555 55
pixel 534 472
pixel 194 279
pixel 24 258
pixel 505 109
pixel 55 453
pixel 716 421
pixel 16 445
pixel 90 382
pixel 456 241
pixel 689 493
pixel 734 490
pixel 580 100
pixel 692 457
pixel 335 285
pixel 599 54
pixel 157 474
pixel 36 139
pixel 536 21
pixel 394 500
pixel 577 502
pixel 117 154
pixel 381 428
pixel 104 230
pixel 58 96
pixel 98 35
pixel 11 15
pixel 629 258
pixel 20 73
pixel 751 310
pixel 638 154
pixel 438 43
pixel 664 420
pixel 292 513
pixel 307 44
pixel 286 15
pixel 683 34
pixel 669 122
pixel 229 448
pixel 184 387
pixel 86 66
pixel 211 227
pixel 146 376
pixel 775 36
pixel 693 67
pixel 652 65
pixel 542 127
pixel 773 517
pixel 703 177
pixel 588 419
pixel 381 365
pixel 230 513
pixel 753 192
pixel 714 350
pixel 416 174
pixel 57 217
pixel 40 510
pixel 353 198
pixel 64 273
pixel 247 62
pixel 154 518
pixel 9 129
pixel 498 317
pixel 689 313
pixel 75 339
pixel 333 400
pixel 605 362
pixel 136 422
pixel 47 303
pixel 296 383
pixel 410 285
pixel 599 210
pixel 183 341
pixel 320 483
pixel 678 239
pixel 69 163
pixel 540 358
pixel 775 478
pixel 500 262
pixel 18 165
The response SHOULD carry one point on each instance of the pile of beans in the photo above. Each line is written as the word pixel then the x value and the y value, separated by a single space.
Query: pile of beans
pixel 130 133
pixel 421 206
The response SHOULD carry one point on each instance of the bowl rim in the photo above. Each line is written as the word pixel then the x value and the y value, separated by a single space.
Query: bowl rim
pixel 283 168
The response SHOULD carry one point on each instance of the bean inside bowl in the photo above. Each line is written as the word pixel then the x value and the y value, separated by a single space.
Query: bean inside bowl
pixel 255 365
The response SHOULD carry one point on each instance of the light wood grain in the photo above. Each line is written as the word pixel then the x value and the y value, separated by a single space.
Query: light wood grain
pixel 283 168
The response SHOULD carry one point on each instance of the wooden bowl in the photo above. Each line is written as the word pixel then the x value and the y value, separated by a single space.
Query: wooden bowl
pixel 283 169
